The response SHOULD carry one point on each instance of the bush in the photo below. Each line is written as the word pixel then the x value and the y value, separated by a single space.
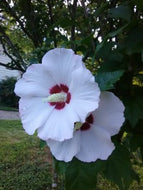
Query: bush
pixel 7 95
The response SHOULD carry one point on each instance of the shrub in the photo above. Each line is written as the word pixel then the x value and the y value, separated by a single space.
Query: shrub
pixel 7 95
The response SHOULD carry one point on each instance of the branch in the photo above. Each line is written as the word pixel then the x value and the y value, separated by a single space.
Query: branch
pixel 111 22
pixel 9 42
pixel 73 16
pixel 5 65
pixel 14 15
pixel 89 25
pixel 10 67
pixel 5 51
pixel 52 21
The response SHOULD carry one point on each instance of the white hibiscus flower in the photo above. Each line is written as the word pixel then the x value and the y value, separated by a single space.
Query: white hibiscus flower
pixel 56 94
pixel 92 140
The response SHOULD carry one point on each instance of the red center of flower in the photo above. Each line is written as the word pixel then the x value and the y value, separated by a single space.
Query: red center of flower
pixel 57 89
pixel 89 120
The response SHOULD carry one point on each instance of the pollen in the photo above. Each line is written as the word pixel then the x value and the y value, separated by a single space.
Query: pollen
pixel 57 97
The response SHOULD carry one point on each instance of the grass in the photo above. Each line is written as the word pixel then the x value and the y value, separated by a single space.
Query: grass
pixel 26 166
pixel 23 164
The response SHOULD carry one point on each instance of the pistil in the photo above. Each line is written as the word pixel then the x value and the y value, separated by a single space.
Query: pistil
pixel 56 97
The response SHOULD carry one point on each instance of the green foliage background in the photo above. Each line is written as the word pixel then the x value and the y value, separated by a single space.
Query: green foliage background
pixel 109 35
pixel 7 95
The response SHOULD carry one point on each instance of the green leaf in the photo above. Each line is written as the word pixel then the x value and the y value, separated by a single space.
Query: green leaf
pixel 109 35
pixel 134 109
pixel 99 10
pixel 122 11
pixel 119 169
pixel 116 32
pixel 82 176
pixel 139 4
pixel 134 41
pixel 65 22
pixel 60 166
pixel 42 143
pixel 142 55
pixel 113 62
pixel 33 61
pixel 136 141
pixel 106 80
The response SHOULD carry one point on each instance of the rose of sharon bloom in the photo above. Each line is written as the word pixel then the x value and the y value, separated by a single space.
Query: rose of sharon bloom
pixel 56 94
pixel 92 140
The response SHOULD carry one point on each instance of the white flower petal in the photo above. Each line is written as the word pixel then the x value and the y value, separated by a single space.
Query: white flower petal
pixel 36 81
pixel 85 93
pixel 34 113
pixel 60 125
pixel 95 144
pixel 61 70
pixel 61 63
pixel 67 149
pixel 110 113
